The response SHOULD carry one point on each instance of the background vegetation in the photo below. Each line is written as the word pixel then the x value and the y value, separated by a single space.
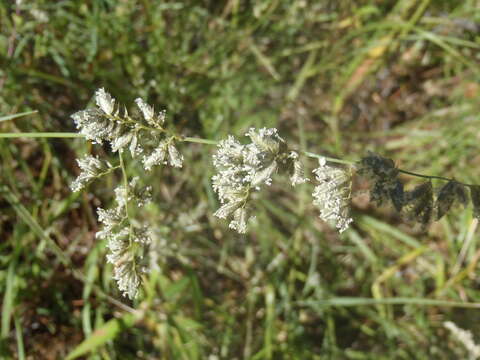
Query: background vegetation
pixel 337 78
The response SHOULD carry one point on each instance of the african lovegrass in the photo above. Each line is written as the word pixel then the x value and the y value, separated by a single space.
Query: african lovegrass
pixel 242 170
pixel 398 77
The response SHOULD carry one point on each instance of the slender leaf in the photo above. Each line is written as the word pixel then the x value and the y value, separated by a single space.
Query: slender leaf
pixel 7 306
pixel 19 336
pixel 41 135
pixel 15 116
pixel 353 301
pixel 107 332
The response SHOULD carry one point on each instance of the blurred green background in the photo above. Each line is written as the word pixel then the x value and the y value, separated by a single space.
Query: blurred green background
pixel 336 77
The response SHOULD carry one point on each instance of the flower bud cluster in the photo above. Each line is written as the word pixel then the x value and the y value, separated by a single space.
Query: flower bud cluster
pixel 333 194
pixel 243 169
pixel 145 135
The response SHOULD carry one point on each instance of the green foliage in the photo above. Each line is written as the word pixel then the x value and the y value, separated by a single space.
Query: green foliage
pixel 399 78
pixel 102 335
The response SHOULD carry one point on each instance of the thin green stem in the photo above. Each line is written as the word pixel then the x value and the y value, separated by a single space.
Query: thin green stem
pixel 125 182
pixel 15 116
pixel 41 135
pixel 129 121
pixel 433 177
pixel 127 214
pixel 109 170
pixel 350 301
pixel 199 140
pixel 334 160
pixel 423 176
pixel 208 142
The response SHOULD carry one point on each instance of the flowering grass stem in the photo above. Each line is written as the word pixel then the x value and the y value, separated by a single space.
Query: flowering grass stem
pixel 199 140
pixel 41 135
pixel 209 142
pixel 432 177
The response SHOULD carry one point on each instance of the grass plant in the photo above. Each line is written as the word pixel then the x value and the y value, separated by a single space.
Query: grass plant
pixel 399 78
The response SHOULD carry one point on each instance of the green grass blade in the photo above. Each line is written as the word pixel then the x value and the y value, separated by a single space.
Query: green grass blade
pixel 269 322
pixel 385 228
pixel 41 135
pixel 25 215
pixel 7 306
pixel 353 301
pixel 104 334
pixel 15 116
pixel 363 247
pixel 19 336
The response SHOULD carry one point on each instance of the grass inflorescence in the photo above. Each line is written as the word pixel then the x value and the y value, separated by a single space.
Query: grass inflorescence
pixel 336 78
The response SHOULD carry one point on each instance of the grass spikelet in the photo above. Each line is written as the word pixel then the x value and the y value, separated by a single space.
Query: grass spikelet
pixel 419 203
pixel 384 175
pixel 475 197
pixel 450 193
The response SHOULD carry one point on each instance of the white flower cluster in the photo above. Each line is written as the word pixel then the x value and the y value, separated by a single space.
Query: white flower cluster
pixel 333 194
pixel 91 169
pixel 126 241
pixel 244 168
pixel 466 338
pixel 145 135
pixel 146 139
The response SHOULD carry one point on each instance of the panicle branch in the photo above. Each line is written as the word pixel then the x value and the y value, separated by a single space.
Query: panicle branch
pixel 127 239
pixel 332 196
pixel 91 168
pixel 144 135
pixel 423 204
pixel 242 170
